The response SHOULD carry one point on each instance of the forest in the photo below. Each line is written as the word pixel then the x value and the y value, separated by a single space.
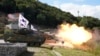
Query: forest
pixel 43 14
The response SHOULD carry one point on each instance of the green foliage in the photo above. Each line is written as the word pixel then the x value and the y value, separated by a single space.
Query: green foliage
pixel 73 52
pixel 41 18
pixel 95 50
pixel 83 21
pixel 8 33
pixel 7 5
pixel 89 22
pixel 43 14
pixel 1 30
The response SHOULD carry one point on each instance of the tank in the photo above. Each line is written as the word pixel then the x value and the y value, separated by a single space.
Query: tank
pixel 34 38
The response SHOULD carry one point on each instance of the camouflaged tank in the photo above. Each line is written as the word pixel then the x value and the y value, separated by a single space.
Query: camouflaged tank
pixel 35 38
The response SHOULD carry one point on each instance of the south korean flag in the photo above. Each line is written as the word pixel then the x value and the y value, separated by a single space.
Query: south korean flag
pixel 22 22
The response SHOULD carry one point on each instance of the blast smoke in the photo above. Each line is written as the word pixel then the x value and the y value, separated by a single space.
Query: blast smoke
pixel 76 37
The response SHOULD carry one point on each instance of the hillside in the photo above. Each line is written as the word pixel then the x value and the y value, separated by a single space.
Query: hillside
pixel 44 14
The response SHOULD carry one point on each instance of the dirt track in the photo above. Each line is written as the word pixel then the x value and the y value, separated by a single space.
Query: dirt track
pixel 37 51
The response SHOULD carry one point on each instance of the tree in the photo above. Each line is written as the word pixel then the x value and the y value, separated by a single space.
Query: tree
pixel 83 21
pixel 44 14
pixel 41 19
pixel 89 22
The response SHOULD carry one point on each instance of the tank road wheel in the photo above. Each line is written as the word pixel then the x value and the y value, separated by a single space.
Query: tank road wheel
pixel 38 44
pixel 31 44
pixel 28 44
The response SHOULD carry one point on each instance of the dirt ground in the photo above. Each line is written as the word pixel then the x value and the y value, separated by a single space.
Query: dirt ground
pixel 38 51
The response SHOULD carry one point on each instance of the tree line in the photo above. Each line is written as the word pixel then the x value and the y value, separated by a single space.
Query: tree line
pixel 44 14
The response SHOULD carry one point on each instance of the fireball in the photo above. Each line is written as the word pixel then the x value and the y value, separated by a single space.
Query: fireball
pixel 73 35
